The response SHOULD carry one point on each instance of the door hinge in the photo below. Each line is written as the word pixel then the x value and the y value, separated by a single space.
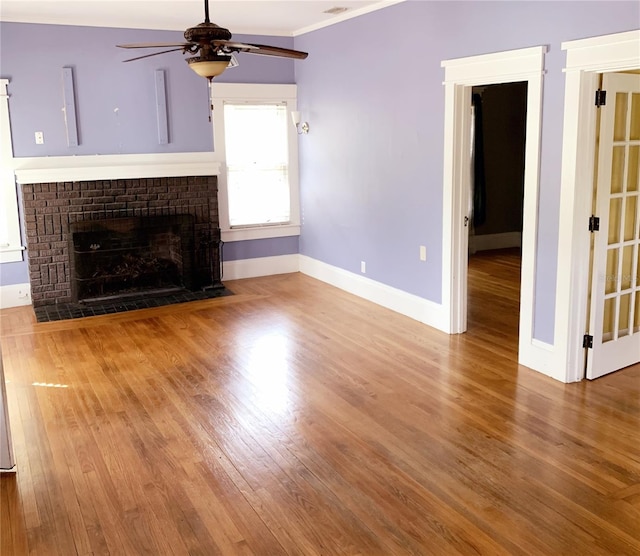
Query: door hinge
pixel 601 98
pixel 594 223
pixel 587 341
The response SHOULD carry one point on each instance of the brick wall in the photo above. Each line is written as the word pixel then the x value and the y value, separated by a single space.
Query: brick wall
pixel 49 208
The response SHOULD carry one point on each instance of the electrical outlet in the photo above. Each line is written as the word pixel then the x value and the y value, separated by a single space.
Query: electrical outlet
pixel 423 253
pixel 363 267
pixel 39 138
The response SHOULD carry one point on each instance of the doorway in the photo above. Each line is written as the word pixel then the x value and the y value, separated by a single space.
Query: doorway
pixel 498 141
pixel 461 75
pixel 497 183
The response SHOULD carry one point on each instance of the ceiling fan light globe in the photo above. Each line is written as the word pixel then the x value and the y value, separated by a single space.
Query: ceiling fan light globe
pixel 209 67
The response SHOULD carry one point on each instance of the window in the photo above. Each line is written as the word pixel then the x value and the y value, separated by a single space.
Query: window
pixel 255 137
pixel 10 245
pixel 256 144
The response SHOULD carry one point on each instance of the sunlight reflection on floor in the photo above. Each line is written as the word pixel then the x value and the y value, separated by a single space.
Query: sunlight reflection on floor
pixel 269 370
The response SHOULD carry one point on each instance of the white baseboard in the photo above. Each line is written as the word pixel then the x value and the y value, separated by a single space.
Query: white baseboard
pixel 262 266
pixel 534 354
pixel 542 357
pixel 407 304
pixel 15 295
pixel 488 242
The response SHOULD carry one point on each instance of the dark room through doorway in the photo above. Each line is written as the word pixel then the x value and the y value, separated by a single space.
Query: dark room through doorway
pixel 497 193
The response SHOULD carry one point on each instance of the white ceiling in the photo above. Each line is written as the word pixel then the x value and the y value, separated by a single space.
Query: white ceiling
pixel 264 17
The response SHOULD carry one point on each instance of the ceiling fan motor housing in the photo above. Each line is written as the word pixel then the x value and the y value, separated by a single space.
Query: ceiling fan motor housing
pixel 207 32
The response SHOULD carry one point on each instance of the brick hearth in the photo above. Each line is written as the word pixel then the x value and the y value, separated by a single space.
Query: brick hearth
pixel 49 209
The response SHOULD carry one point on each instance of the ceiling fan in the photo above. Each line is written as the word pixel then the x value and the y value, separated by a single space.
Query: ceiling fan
pixel 212 48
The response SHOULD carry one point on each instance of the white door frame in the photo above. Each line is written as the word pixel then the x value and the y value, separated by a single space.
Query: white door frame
pixel 586 59
pixel 460 75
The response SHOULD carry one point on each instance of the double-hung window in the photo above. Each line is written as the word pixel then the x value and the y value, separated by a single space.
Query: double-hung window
pixel 256 143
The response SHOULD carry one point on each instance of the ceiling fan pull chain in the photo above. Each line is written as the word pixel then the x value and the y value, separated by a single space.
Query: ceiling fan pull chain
pixel 210 99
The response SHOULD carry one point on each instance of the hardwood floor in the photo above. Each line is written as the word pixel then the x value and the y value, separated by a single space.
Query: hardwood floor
pixel 293 418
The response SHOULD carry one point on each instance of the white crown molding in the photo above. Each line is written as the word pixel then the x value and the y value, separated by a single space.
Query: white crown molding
pixel 118 166
pixel 346 15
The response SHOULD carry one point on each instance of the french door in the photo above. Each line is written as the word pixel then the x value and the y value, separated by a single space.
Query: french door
pixel 615 286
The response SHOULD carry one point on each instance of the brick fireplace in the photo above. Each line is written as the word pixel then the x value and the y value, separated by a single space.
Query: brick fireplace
pixel 53 208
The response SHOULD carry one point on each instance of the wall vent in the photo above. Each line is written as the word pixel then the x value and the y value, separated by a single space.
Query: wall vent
pixel 336 10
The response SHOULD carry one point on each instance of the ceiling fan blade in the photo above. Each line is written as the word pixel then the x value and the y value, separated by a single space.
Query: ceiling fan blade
pixel 154 45
pixel 267 50
pixel 154 54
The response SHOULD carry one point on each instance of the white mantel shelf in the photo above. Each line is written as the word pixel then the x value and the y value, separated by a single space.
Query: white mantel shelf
pixel 52 169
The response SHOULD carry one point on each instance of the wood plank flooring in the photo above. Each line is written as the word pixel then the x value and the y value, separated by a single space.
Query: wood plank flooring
pixel 294 418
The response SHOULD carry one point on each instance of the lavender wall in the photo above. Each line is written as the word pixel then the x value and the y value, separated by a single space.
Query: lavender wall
pixel 115 101
pixel 238 250
pixel 371 167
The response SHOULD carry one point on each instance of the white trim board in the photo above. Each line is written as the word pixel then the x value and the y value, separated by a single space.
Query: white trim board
pixel 260 232
pixel 15 295
pixel 417 308
pixel 11 254
pixel 460 75
pixel 117 166
pixel 261 266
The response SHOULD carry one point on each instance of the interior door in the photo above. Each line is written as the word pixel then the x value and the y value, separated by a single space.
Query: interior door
pixel 615 291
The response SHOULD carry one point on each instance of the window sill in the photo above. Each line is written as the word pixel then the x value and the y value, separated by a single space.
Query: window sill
pixel 11 254
pixel 261 232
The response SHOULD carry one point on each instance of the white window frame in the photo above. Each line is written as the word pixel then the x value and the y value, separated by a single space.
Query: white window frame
pixel 11 251
pixel 256 93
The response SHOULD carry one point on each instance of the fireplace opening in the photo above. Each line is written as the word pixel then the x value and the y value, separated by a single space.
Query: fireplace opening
pixel 131 257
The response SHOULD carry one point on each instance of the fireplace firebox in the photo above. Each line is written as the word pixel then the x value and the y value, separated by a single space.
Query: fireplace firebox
pixel 128 257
